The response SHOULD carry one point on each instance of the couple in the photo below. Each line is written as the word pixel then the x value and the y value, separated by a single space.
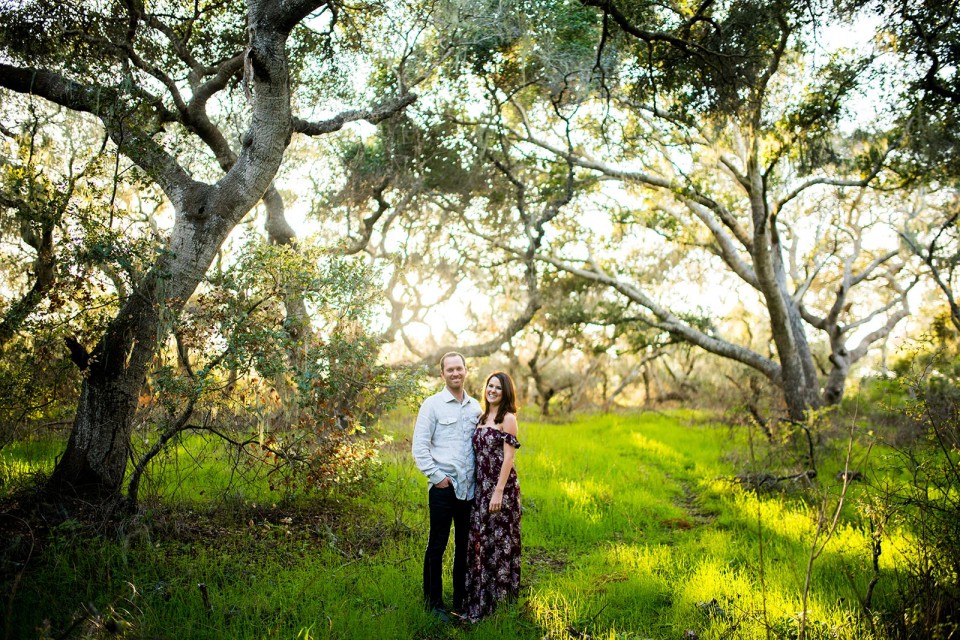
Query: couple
pixel 467 455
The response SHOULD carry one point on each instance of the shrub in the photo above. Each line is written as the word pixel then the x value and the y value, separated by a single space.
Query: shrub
pixel 288 402
pixel 927 504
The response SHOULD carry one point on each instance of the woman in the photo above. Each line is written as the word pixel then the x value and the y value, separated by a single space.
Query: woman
pixel 493 551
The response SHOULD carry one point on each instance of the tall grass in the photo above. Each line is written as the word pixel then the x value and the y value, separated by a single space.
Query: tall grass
pixel 21 460
pixel 632 528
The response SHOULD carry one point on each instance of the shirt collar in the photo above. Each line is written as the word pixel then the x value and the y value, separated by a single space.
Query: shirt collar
pixel 446 396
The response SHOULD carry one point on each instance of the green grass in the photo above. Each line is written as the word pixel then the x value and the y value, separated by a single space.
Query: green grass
pixel 632 528
pixel 20 460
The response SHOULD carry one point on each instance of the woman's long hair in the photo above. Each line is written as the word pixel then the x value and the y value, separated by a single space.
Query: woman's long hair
pixel 508 398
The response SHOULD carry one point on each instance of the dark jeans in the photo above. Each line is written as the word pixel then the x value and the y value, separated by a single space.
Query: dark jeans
pixel 446 509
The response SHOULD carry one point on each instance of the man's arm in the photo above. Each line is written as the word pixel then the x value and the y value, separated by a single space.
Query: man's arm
pixel 422 436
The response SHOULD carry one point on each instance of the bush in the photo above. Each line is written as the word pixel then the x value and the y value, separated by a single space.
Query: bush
pixel 927 504
pixel 289 403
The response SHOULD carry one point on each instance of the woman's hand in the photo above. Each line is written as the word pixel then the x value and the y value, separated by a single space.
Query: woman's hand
pixel 496 501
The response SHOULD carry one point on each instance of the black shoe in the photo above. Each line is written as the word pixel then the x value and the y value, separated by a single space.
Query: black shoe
pixel 440 615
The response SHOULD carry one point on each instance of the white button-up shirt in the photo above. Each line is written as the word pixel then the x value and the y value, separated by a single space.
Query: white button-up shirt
pixel 442 440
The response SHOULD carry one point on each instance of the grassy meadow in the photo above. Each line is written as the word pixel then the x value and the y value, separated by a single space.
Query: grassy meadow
pixel 633 528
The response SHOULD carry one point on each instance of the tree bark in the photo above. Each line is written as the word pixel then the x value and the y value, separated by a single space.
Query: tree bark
pixel 788 333
pixel 95 460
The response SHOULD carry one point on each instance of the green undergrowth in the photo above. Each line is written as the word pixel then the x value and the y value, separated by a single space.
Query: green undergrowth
pixel 21 460
pixel 633 527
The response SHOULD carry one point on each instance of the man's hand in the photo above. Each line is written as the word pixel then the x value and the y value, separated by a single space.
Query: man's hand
pixel 443 484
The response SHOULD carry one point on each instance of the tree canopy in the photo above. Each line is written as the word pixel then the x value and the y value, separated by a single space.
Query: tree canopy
pixel 593 193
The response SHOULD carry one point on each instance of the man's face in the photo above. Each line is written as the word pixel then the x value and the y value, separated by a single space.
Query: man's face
pixel 453 373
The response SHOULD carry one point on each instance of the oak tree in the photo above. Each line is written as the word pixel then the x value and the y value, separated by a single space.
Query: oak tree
pixel 200 97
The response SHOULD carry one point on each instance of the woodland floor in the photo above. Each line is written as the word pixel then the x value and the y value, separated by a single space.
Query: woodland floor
pixel 634 527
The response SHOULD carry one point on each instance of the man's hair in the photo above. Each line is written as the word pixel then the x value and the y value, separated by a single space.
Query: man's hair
pixel 451 354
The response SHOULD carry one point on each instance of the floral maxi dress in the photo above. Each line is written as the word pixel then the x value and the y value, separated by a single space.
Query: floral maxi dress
pixel 493 551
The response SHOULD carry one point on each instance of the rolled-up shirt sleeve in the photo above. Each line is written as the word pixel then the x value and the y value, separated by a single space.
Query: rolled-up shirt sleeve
pixel 422 438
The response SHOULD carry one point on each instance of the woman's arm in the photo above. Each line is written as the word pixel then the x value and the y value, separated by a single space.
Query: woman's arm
pixel 509 452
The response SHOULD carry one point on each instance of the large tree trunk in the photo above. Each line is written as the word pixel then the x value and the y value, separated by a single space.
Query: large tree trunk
pixel 799 392
pixel 95 460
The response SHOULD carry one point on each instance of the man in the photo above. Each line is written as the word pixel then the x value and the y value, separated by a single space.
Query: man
pixel 443 451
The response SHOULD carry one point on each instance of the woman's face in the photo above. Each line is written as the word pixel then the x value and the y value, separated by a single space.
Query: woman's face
pixel 494 390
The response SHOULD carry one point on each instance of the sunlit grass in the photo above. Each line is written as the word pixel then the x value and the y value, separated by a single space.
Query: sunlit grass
pixel 20 460
pixel 632 528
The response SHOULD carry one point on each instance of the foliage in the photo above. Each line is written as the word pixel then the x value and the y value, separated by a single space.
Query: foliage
pixel 700 153
pixel 78 239
pixel 521 40
pixel 926 499
pixel 228 368
pixel 925 37
pixel 926 366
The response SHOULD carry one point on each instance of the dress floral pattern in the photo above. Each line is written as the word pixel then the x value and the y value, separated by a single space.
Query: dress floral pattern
pixel 493 551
